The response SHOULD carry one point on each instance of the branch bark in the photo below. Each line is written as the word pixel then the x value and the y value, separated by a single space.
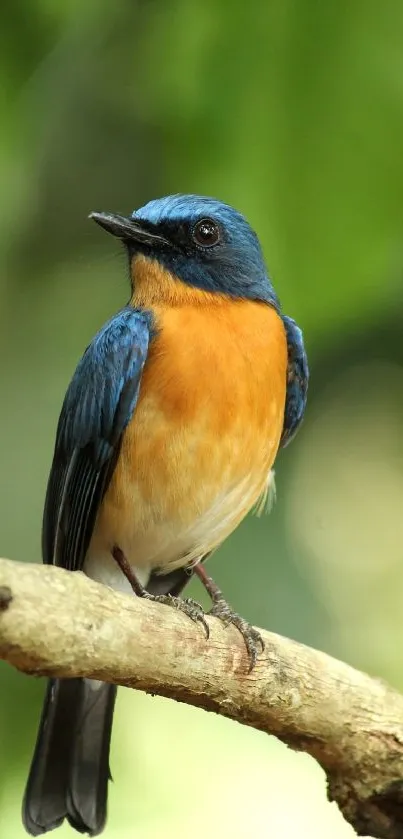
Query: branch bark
pixel 55 623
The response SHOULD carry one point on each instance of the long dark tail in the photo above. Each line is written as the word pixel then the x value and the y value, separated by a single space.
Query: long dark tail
pixel 70 767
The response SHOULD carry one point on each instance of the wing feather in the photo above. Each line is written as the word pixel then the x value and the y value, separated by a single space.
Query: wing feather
pixel 297 381
pixel 99 403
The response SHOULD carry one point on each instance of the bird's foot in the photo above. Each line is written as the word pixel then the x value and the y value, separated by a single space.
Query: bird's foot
pixel 189 607
pixel 253 640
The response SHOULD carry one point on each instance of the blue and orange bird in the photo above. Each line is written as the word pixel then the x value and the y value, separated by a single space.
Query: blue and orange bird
pixel 166 440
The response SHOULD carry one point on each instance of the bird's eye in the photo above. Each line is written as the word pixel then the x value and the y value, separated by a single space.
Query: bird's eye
pixel 206 233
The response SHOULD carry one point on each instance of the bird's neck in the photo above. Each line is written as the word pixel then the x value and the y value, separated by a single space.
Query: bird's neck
pixel 154 285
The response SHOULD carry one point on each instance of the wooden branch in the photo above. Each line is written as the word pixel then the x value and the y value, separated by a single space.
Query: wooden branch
pixel 56 623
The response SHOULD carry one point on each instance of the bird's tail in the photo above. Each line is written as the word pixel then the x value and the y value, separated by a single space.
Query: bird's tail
pixel 70 767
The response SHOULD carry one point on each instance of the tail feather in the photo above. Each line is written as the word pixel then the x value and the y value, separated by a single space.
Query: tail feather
pixel 89 773
pixel 70 768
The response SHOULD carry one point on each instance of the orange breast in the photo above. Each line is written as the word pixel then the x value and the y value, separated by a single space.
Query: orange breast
pixel 199 449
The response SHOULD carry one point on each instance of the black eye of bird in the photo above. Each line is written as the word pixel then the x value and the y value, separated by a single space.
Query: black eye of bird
pixel 206 233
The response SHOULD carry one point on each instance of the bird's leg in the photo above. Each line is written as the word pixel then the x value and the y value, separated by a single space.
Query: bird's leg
pixel 188 606
pixel 220 609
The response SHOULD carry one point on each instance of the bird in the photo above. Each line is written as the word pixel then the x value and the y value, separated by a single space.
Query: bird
pixel 166 440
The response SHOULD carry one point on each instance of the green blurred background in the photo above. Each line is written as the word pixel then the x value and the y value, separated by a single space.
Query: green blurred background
pixel 293 111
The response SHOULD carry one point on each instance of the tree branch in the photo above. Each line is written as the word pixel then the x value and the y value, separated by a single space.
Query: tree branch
pixel 55 623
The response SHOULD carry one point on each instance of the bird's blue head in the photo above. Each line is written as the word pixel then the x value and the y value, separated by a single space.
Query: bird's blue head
pixel 198 241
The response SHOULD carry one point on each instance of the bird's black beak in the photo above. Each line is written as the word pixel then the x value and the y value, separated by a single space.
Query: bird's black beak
pixel 129 229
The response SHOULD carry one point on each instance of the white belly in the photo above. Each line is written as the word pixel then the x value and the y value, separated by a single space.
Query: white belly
pixel 163 547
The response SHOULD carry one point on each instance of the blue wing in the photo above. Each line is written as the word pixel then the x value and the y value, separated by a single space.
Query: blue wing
pixel 297 381
pixel 98 405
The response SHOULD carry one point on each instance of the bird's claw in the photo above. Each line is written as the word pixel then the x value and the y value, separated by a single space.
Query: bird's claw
pixel 252 638
pixel 188 606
